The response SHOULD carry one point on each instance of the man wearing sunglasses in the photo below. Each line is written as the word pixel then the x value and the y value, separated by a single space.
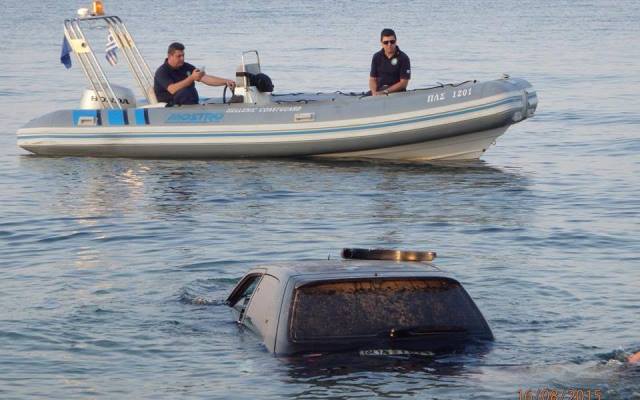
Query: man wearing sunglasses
pixel 390 67
pixel 174 81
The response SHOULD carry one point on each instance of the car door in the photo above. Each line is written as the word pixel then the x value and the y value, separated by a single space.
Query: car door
pixel 262 312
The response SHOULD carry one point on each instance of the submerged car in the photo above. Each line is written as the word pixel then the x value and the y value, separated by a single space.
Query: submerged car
pixel 375 302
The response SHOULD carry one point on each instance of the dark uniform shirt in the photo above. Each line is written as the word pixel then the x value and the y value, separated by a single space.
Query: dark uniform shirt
pixel 165 76
pixel 389 71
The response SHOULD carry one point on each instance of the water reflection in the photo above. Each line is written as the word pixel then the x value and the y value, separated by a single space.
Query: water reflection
pixel 378 376
pixel 390 200
pixel 341 376
pixel 85 187
pixel 395 199
pixel 174 191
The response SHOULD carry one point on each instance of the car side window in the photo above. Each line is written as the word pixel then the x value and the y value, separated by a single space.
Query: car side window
pixel 241 296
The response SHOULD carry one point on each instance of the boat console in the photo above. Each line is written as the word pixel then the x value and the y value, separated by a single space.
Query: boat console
pixel 252 86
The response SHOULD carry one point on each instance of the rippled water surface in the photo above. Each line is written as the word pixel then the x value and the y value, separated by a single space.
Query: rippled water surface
pixel 113 272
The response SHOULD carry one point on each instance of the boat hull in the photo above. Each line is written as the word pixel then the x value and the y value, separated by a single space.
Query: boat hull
pixel 418 125
pixel 469 146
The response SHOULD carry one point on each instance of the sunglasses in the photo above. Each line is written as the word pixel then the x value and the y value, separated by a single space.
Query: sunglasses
pixel 389 42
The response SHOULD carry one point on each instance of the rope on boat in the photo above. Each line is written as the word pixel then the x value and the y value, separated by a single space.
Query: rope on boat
pixel 362 95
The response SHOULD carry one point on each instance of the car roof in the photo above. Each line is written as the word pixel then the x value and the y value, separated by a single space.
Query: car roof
pixel 337 269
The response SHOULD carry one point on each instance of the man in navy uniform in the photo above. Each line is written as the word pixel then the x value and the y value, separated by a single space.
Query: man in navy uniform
pixel 390 67
pixel 174 81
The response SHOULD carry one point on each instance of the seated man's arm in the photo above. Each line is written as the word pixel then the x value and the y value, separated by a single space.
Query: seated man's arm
pixel 186 82
pixel 405 75
pixel 373 85
pixel 217 81
pixel 373 77
pixel 399 86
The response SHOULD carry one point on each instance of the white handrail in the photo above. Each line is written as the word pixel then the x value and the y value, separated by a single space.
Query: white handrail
pixel 92 68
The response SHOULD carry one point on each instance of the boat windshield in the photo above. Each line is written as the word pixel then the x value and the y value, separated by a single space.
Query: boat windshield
pixel 383 308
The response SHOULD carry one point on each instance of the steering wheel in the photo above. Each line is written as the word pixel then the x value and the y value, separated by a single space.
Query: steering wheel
pixel 224 94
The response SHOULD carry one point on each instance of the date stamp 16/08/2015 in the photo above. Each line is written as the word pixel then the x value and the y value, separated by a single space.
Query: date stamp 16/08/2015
pixel 560 394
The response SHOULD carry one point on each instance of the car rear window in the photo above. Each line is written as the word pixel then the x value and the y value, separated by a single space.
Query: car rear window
pixel 376 306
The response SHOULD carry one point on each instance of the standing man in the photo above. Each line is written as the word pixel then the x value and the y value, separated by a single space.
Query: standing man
pixel 174 81
pixel 390 67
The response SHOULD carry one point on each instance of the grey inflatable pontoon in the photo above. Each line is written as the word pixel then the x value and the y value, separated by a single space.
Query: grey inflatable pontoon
pixel 446 122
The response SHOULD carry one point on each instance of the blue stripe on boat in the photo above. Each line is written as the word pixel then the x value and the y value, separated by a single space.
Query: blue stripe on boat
pixel 116 117
pixel 141 116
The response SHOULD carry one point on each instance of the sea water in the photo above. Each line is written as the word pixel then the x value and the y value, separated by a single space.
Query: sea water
pixel 113 272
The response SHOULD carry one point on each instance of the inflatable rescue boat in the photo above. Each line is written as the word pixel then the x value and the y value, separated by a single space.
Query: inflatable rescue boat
pixel 445 122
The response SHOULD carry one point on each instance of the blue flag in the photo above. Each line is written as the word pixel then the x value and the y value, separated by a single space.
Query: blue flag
pixel 65 54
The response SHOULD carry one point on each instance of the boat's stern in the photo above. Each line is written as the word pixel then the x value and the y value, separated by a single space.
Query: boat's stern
pixel 33 136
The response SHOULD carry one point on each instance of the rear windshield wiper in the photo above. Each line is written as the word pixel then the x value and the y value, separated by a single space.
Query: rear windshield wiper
pixel 421 330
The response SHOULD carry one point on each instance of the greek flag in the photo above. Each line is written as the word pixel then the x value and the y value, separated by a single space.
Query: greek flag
pixel 112 46
pixel 65 54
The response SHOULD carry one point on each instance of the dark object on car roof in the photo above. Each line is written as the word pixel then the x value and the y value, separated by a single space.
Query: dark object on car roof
pixel 363 303
pixel 390 255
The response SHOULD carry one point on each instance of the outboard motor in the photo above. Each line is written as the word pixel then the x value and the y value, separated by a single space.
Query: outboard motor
pixel 92 101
